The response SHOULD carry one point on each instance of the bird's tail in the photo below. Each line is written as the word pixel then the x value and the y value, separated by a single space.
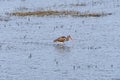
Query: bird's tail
pixel 55 40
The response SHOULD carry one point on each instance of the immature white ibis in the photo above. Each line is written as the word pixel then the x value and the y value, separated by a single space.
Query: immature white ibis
pixel 63 39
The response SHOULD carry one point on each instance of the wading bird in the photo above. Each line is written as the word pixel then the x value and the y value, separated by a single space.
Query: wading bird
pixel 63 39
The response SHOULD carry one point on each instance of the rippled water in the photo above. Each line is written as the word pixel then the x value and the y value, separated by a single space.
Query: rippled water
pixel 27 50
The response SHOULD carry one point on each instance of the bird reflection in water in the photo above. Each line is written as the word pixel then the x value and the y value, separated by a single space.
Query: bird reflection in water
pixel 62 48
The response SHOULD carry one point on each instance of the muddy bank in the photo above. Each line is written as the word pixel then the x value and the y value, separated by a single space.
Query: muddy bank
pixel 60 13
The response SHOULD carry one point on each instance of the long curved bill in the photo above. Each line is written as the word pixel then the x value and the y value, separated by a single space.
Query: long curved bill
pixel 71 38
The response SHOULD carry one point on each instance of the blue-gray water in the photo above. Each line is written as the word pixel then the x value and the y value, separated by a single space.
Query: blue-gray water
pixel 27 51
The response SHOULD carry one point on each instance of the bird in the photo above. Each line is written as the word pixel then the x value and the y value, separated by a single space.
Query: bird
pixel 63 39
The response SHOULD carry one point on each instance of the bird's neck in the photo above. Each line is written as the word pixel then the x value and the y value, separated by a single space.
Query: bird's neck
pixel 67 38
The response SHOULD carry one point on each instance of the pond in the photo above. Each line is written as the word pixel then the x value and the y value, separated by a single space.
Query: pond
pixel 27 50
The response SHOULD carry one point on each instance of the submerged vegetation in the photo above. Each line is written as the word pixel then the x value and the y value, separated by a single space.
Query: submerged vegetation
pixel 59 13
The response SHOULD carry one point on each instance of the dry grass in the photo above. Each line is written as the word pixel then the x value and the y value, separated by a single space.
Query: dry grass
pixel 59 13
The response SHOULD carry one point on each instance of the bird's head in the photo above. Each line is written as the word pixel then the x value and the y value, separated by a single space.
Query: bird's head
pixel 69 37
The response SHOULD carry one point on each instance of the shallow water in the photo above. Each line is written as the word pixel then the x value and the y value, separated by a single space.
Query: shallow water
pixel 27 50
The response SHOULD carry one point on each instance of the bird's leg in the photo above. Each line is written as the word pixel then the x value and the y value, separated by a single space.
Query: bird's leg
pixel 61 44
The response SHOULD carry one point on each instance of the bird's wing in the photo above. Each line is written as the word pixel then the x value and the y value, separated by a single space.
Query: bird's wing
pixel 60 39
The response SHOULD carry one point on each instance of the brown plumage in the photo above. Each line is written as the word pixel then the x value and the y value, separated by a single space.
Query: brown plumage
pixel 63 39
